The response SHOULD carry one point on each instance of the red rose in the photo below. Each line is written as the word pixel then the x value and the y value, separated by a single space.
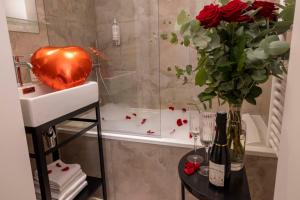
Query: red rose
pixel 267 9
pixel 209 16
pixel 233 11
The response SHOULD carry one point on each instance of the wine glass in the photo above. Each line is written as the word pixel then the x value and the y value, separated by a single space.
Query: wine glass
pixel 195 128
pixel 207 136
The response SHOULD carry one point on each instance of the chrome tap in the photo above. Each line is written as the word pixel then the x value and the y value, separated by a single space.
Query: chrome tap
pixel 18 64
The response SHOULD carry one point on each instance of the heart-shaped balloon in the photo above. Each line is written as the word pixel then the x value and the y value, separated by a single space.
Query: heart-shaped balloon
pixel 61 67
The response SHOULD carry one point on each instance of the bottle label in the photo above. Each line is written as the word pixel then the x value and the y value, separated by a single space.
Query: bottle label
pixel 216 174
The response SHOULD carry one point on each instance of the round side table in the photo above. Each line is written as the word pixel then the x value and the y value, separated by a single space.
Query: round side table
pixel 199 186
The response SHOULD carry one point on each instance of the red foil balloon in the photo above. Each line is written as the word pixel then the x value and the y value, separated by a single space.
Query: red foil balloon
pixel 61 67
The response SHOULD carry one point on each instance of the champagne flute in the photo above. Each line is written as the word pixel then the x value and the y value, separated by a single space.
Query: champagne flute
pixel 207 136
pixel 195 128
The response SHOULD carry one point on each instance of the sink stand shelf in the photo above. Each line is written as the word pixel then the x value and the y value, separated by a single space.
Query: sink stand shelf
pixel 40 154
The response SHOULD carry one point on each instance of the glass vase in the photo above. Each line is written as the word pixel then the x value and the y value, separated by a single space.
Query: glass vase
pixel 236 137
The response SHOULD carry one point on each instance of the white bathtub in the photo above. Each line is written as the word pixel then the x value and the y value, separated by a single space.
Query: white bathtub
pixel 165 130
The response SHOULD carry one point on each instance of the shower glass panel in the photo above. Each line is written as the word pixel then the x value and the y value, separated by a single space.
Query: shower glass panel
pixel 129 76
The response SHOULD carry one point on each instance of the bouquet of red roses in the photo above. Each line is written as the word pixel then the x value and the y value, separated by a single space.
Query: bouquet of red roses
pixel 238 47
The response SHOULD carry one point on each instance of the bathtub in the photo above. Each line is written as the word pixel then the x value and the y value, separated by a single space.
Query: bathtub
pixel 120 122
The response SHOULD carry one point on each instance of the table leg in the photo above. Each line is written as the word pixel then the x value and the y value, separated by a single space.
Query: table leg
pixel 41 164
pixel 182 192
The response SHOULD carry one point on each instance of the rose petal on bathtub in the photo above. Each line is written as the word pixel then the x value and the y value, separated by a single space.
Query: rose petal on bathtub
pixel 49 171
pixel 171 108
pixel 179 122
pixel 134 114
pixel 190 136
pixel 173 131
pixel 128 117
pixel 183 109
pixel 143 121
pixel 58 165
pixel 185 121
pixel 149 132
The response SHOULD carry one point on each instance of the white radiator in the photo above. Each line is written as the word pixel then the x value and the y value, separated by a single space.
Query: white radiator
pixel 276 113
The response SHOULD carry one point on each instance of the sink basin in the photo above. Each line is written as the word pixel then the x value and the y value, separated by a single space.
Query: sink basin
pixel 41 104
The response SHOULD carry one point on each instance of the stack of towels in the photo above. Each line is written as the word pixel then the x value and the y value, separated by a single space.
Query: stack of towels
pixel 66 180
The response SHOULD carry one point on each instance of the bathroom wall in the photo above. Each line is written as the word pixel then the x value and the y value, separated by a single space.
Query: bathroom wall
pixel 24 44
pixel 71 22
pixel 138 52
pixel 138 171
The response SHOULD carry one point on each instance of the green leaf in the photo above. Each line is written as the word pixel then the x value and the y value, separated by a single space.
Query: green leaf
pixel 288 13
pixel 195 26
pixel 226 86
pixel 201 77
pixel 252 13
pixel 179 71
pixel 174 39
pixel 223 2
pixel 186 41
pixel 215 41
pixel 241 62
pixel 239 48
pixel 264 44
pixel 254 92
pixel 203 96
pixel 184 28
pixel 240 31
pixel 189 69
pixel 182 18
pixel 164 36
pixel 259 75
pixel 277 48
pixel 259 54
pixel 251 100
pixel 281 27
pixel 201 40
pixel 225 66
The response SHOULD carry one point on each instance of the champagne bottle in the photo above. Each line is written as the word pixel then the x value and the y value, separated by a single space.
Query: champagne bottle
pixel 219 163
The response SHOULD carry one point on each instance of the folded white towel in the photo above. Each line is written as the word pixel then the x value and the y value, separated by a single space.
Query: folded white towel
pixel 56 189
pixel 67 192
pixel 60 173
pixel 73 194
pixel 77 191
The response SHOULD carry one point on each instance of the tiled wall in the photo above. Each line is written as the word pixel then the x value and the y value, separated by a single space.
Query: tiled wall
pixel 137 171
pixel 138 51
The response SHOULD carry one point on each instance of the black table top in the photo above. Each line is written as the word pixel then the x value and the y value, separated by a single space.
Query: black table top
pixel 199 186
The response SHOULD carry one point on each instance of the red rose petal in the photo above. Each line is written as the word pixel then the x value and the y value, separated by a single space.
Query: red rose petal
pixel 179 122
pixel 173 131
pixel 128 117
pixel 183 109
pixel 149 132
pixel 190 136
pixel 49 171
pixel 171 108
pixel 65 169
pixel 185 121
pixel 190 168
pixel 134 114
pixel 58 165
pixel 143 121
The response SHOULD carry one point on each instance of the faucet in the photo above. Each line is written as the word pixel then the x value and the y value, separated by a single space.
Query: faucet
pixel 18 64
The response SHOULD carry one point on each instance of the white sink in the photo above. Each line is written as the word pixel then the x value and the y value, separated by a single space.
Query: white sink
pixel 45 104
